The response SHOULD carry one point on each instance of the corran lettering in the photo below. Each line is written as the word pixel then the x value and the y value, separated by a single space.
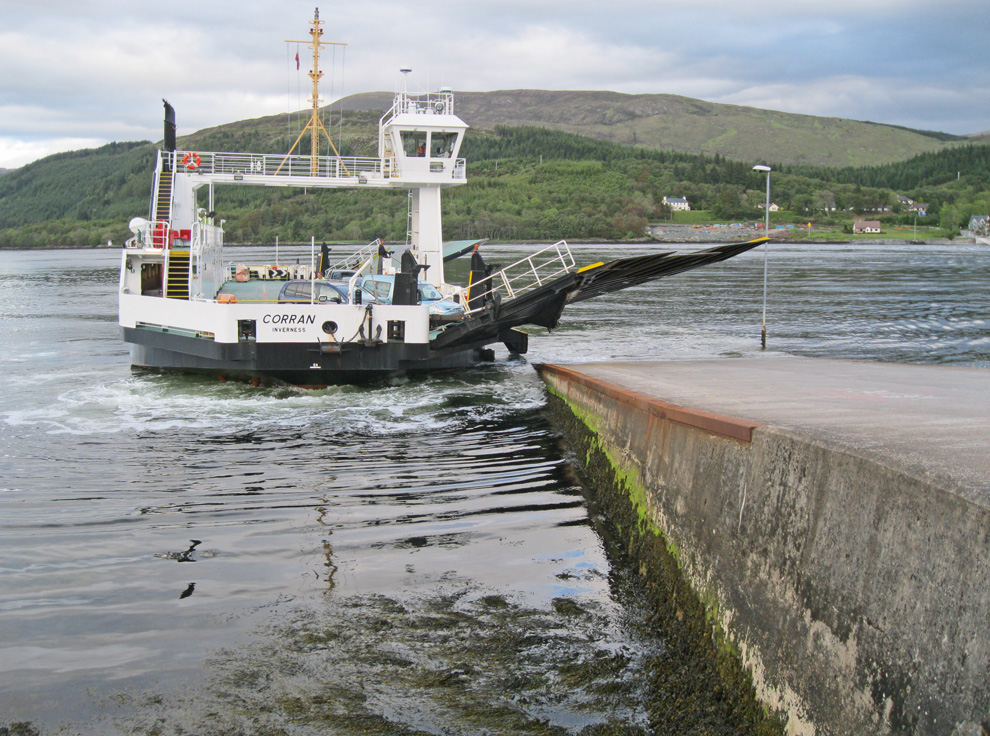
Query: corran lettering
pixel 289 319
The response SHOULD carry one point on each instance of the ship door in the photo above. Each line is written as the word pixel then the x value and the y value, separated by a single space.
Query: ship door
pixel 151 279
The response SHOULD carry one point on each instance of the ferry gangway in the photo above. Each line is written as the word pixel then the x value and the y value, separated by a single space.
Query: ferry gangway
pixel 524 275
pixel 358 258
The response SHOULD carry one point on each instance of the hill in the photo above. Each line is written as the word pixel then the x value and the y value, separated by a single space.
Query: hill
pixel 675 123
pixel 535 181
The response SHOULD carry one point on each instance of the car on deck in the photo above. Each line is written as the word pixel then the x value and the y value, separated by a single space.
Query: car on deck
pixel 380 289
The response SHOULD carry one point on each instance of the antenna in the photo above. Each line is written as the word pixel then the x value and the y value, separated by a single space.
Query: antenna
pixel 315 124
pixel 406 71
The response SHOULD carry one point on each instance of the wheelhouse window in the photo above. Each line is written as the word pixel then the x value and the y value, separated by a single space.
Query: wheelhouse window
pixel 442 145
pixel 414 143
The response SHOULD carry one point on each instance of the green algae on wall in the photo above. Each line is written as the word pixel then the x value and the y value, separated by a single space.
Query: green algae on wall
pixel 701 670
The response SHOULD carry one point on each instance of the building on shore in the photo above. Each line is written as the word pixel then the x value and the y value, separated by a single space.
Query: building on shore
pixel 866 226
pixel 677 203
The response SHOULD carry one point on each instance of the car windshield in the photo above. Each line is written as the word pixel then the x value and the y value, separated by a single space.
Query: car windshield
pixel 377 289
pixel 428 293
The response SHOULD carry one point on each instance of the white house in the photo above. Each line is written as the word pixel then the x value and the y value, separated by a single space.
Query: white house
pixel 866 226
pixel 774 207
pixel 979 224
pixel 676 203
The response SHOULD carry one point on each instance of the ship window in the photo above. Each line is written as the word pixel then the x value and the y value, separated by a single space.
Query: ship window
pixel 414 143
pixel 442 145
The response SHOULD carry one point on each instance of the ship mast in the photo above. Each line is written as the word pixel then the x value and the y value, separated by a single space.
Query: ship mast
pixel 315 124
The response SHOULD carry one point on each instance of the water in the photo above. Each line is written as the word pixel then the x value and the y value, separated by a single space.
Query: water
pixel 182 554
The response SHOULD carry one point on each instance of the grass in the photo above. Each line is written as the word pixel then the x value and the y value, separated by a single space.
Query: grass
pixel 834 228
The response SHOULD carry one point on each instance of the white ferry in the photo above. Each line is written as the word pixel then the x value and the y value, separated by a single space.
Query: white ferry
pixel 184 308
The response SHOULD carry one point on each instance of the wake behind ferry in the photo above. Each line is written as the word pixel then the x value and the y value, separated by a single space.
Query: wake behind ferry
pixel 376 313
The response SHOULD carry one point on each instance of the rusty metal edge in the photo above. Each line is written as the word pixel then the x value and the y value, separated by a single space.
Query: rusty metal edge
pixel 717 424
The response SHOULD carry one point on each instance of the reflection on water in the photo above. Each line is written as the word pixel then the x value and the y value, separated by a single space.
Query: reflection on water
pixel 414 556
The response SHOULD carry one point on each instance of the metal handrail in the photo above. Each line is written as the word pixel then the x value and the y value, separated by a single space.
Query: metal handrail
pixel 272 164
pixel 354 260
pixel 533 271
pixel 430 103
pixel 245 166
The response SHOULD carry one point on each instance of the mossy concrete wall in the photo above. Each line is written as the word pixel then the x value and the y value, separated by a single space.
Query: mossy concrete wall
pixel 854 597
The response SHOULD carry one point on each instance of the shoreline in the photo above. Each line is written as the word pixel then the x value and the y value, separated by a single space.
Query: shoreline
pixel 713 234
pixel 692 236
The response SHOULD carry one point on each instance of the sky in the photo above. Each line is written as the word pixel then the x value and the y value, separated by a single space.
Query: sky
pixel 83 73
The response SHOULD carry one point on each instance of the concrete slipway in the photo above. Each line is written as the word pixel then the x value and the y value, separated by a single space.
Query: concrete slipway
pixel 831 517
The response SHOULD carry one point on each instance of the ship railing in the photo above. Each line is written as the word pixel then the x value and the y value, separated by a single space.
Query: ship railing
pixel 153 235
pixel 269 272
pixel 246 165
pixel 158 234
pixel 524 275
pixel 275 271
pixel 430 103
pixel 358 257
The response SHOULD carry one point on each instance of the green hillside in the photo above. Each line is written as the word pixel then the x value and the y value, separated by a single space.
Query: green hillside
pixel 538 182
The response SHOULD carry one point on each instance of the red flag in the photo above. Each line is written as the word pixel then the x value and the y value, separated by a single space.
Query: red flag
pixel 297 61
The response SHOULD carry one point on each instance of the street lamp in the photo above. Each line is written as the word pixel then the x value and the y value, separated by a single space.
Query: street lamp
pixel 766 228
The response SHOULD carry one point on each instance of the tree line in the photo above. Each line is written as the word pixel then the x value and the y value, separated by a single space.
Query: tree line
pixel 525 183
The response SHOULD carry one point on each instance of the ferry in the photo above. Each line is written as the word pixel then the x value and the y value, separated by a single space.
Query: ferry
pixel 183 307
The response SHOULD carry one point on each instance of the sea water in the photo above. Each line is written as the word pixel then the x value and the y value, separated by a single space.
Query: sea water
pixel 179 554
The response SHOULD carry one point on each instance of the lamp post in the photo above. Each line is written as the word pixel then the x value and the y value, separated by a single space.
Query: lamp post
pixel 766 229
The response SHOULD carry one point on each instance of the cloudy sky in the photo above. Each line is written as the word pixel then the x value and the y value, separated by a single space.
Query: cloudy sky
pixel 82 73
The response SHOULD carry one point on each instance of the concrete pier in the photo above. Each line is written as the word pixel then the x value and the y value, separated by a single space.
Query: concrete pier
pixel 832 518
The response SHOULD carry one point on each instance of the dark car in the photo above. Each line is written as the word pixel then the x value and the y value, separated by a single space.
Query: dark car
pixel 304 292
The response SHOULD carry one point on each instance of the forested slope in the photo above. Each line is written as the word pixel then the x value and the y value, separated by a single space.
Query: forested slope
pixel 524 183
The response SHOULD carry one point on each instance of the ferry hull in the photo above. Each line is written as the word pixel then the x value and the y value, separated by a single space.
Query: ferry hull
pixel 300 364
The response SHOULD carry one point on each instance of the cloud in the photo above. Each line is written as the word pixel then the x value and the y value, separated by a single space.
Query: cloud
pixel 15 152
pixel 96 71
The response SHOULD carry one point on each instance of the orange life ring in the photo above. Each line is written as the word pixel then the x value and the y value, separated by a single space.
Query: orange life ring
pixel 191 161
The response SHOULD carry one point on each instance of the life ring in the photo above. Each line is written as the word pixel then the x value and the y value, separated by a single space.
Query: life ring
pixel 191 161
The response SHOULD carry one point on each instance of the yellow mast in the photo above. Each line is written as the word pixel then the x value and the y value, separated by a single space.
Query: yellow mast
pixel 315 125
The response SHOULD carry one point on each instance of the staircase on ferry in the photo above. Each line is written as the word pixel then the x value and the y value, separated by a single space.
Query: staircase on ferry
pixel 163 202
pixel 177 269
pixel 177 275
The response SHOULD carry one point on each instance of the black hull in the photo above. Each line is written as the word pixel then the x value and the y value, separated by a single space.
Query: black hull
pixel 298 364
